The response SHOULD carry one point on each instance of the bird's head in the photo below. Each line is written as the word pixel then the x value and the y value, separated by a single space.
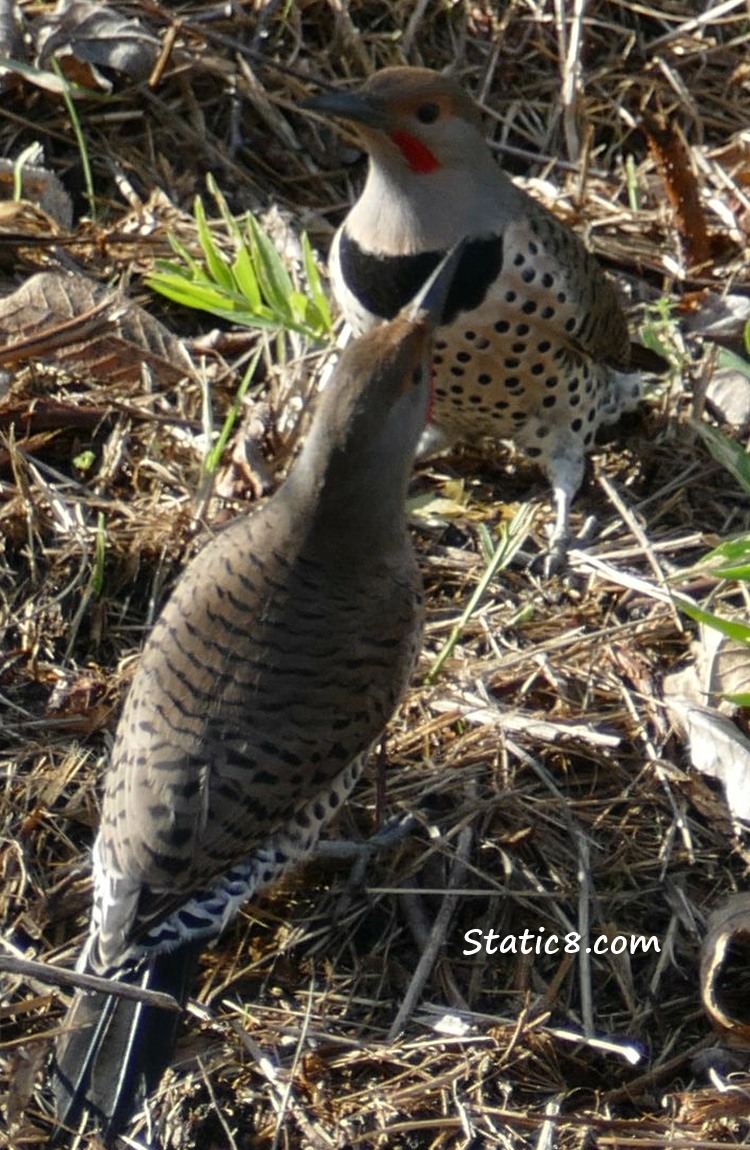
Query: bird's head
pixel 382 385
pixel 415 119
pixel 369 418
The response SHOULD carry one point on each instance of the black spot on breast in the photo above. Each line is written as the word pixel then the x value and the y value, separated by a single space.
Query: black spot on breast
pixel 384 284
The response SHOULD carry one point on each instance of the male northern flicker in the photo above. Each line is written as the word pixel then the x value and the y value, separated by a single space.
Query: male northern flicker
pixel 533 344
pixel 273 668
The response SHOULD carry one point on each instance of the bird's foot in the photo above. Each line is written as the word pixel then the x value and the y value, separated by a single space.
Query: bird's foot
pixel 387 837
pixel 362 853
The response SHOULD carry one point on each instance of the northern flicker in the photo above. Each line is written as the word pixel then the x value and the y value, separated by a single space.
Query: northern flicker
pixel 533 344
pixel 273 668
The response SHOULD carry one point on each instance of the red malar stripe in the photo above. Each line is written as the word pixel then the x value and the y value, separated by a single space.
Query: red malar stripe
pixel 418 157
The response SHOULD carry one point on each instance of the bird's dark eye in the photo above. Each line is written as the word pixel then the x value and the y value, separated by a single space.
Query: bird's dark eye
pixel 428 113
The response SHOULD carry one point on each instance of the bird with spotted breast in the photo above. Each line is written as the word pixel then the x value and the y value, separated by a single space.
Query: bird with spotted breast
pixel 533 344
pixel 273 668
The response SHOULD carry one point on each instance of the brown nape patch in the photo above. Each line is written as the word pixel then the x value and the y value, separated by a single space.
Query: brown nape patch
pixel 378 353
pixel 396 348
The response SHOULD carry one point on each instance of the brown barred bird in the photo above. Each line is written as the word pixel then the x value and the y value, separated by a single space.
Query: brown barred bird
pixel 533 344
pixel 272 670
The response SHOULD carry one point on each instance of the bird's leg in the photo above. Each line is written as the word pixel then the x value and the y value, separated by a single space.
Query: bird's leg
pixel 565 470
pixel 628 393
pixel 559 542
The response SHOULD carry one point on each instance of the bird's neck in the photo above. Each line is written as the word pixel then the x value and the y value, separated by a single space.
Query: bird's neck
pixel 401 212
pixel 350 501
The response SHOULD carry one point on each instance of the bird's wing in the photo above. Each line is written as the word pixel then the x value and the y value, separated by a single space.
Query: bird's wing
pixel 262 680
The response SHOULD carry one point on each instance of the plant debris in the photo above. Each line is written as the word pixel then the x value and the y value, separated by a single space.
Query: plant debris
pixel 547 791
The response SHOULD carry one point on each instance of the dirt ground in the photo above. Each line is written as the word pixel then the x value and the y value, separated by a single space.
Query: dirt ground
pixel 549 786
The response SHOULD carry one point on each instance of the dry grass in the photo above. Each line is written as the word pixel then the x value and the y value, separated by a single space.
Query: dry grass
pixel 547 788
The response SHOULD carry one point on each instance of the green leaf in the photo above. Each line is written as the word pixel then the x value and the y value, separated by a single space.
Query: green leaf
pixel 730 560
pixel 304 311
pixel 85 460
pixel 740 700
pixel 728 627
pixel 215 259
pixel 275 281
pixel 725 451
pixel 246 279
pixel 315 284
pixel 511 538
pixel 727 358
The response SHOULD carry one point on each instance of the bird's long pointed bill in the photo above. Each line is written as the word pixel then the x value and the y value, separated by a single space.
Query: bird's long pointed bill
pixel 429 302
pixel 352 106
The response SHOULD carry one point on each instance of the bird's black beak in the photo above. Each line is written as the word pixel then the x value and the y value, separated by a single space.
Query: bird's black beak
pixel 429 302
pixel 353 106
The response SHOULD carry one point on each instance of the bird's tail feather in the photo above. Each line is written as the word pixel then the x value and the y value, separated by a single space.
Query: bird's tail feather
pixel 644 358
pixel 113 1051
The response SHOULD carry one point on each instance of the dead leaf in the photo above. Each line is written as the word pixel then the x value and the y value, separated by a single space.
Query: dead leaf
pixel 720 318
pixel 717 748
pixel 90 331
pixel 26 1064
pixel 728 393
pixel 85 36
pixel 720 668
pixel 725 969
pixel 39 187
pixel 26 230
pixel 80 702
pixel 734 157
pixel 672 157
pixel 727 664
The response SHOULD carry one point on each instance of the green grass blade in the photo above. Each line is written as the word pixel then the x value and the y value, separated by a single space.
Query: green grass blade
pixel 727 358
pixel 213 458
pixel 728 627
pixel 216 261
pixel 231 221
pixel 275 281
pixel 83 150
pixel 315 284
pixel 100 555
pixel 725 451
pixel 511 539
pixel 730 560
pixel 246 278
pixel 228 305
